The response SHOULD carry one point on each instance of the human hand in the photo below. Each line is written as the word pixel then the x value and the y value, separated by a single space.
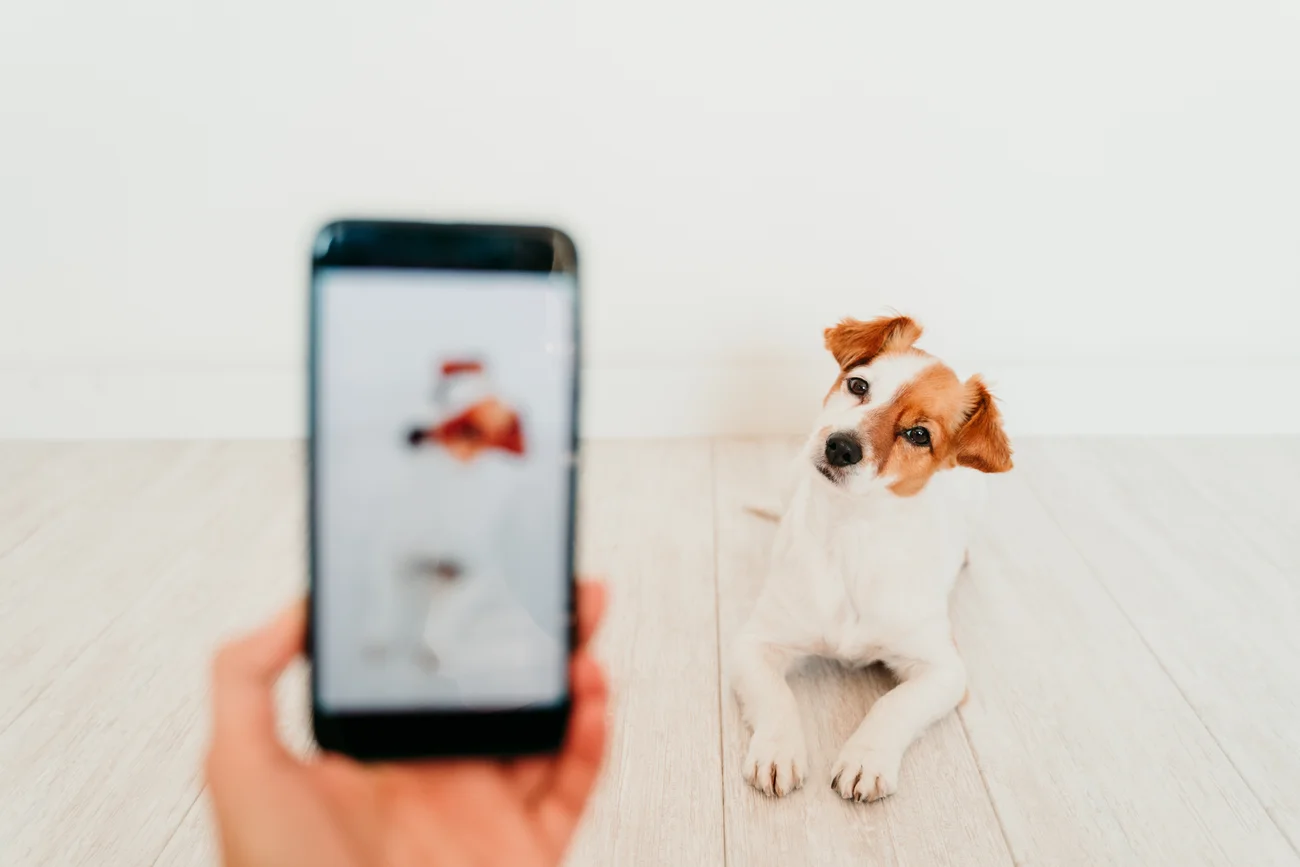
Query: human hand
pixel 276 810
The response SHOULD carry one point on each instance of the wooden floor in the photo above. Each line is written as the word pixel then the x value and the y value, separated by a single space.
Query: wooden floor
pixel 1130 621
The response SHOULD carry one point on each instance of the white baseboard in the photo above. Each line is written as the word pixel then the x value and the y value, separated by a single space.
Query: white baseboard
pixel 145 402
pixel 224 402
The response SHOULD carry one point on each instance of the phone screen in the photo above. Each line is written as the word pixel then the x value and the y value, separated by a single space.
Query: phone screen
pixel 444 437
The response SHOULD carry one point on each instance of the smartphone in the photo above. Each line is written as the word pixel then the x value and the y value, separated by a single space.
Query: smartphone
pixel 443 438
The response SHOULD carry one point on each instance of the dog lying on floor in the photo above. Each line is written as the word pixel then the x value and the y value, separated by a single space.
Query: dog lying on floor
pixel 873 531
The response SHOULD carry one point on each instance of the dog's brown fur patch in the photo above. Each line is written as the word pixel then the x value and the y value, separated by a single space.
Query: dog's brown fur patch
pixel 982 444
pixel 962 419
pixel 854 342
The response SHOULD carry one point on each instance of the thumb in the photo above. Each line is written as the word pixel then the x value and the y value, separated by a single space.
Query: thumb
pixel 578 765
pixel 244 673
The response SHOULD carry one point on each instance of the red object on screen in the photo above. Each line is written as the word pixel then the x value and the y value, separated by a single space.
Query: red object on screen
pixel 474 420
pixel 450 368
pixel 488 424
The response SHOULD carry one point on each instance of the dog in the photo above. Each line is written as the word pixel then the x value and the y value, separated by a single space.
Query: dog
pixel 440 592
pixel 873 530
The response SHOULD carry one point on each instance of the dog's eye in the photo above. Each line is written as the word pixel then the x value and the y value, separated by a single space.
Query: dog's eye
pixel 856 385
pixel 917 436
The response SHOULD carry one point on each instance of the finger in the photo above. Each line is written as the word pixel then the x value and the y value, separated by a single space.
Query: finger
pixel 529 776
pixel 243 681
pixel 587 678
pixel 578 765
pixel 592 599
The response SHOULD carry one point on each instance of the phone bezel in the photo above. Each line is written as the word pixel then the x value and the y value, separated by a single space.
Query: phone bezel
pixel 392 245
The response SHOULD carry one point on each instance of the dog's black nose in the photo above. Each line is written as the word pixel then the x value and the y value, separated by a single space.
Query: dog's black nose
pixel 842 450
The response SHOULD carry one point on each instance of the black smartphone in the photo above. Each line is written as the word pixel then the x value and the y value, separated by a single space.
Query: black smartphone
pixel 443 437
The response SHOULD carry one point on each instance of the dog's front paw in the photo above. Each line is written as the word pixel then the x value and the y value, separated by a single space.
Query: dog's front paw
pixel 865 774
pixel 777 761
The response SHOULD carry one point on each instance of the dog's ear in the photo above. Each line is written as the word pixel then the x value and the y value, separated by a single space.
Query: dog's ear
pixel 855 342
pixel 981 443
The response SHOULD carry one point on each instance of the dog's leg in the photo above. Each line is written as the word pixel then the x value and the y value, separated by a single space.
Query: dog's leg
pixel 777 760
pixel 383 605
pixel 932 681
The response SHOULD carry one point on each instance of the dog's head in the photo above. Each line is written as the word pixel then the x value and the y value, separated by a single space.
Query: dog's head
pixel 897 415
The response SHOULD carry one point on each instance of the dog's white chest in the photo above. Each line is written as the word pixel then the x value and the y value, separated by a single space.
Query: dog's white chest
pixel 866 591
pixel 862 581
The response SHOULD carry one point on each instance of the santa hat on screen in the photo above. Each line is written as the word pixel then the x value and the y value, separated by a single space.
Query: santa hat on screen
pixel 461 383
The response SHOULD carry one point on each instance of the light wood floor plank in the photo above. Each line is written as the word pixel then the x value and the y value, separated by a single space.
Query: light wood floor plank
pixel 103 765
pixel 194 842
pixel 941 814
pixel 83 552
pixel 1255 483
pixel 648 527
pixel 1091 753
pixel 1214 607
pixel 19 462
pixel 45 485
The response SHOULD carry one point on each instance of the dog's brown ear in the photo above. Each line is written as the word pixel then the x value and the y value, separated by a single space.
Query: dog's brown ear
pixel 855 342
pixel 981 443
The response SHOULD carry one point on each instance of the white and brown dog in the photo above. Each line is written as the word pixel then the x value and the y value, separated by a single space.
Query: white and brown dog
pixel 873 531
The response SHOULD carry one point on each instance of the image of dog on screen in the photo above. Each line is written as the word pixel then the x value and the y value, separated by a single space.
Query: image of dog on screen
pixel 446 598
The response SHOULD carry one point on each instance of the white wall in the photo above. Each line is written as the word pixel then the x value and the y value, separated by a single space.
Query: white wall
pixel 1097 204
